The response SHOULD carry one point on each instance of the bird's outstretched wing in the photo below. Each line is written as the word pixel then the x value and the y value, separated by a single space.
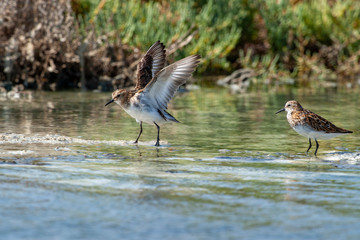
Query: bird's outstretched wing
pixel 166 82
pixel 150 64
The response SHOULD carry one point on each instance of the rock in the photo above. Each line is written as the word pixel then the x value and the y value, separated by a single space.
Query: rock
pixel 238 81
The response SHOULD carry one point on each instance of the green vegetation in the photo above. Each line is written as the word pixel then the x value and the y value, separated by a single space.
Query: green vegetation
pixel 214 27
pixel 282 41
pixel 304 40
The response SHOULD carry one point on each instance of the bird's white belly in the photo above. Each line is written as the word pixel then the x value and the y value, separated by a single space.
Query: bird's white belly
pixel 309 132
pixel 145 114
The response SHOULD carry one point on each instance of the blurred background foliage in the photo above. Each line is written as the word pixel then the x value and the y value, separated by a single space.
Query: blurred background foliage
pixel 299 42
pixel 215 26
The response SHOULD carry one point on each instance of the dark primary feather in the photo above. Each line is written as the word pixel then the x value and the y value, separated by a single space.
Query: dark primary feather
pixel 150 64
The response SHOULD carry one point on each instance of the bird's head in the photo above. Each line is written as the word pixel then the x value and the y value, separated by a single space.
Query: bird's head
pixel 117 96
pixel 290 106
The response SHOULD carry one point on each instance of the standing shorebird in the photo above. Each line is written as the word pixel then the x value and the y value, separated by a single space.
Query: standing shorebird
pixel 155 87
pixel 309 124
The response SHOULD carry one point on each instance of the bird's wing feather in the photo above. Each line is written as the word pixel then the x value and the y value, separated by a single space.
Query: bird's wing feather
pixel 150 64
pixel 164 85
pixel 321 124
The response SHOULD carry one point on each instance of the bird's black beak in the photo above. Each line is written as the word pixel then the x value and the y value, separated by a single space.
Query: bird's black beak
pixel 281 110
pixel 111 101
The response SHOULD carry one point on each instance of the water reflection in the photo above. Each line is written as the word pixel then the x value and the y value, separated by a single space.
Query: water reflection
pixel 211 119
pixel 232 169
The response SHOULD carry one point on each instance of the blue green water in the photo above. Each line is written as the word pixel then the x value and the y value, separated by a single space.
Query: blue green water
pixel 231 170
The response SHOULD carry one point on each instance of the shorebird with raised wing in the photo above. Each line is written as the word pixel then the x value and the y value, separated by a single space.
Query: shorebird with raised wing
pixel 309 124
pixel 155 87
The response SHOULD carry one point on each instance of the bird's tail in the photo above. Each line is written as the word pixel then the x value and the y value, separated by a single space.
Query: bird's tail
pixel 169 117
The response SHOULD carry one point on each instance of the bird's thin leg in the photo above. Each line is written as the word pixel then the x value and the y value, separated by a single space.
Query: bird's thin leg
pixel 136 141
pixel 317 146
pixel 309 145
pixel 158 135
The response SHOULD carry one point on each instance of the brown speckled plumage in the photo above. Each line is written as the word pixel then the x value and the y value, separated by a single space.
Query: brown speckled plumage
pixel 300 116
pixel 309 124
pixel 123 96
pixel 150 64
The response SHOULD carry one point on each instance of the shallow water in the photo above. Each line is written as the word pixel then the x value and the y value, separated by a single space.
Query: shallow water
pixel 231 170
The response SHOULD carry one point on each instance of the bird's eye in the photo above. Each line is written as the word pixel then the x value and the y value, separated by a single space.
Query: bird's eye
pixel 288 105
pixel 118 96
